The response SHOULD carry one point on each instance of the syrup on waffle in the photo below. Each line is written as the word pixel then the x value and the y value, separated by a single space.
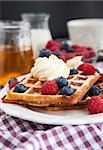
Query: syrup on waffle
pixel 33 96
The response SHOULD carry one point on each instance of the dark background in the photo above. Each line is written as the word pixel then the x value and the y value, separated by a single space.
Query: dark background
pixel 60 11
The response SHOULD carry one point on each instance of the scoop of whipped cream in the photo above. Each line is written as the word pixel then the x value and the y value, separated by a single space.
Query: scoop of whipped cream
pixel 74 62
pixel 49 68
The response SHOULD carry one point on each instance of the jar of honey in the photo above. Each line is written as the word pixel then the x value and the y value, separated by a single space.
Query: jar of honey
pixel 16 56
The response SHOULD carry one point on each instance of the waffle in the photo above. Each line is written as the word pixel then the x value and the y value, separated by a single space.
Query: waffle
pixel 81 105
pixel 33 96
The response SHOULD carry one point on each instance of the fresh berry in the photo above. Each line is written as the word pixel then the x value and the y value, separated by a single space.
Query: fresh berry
pixel 62 57
pixel 94 91
pixel 66 90
pixel 85 54
pixel 61 82
pixel 67 48
pixel 91 52
pixel 73 71
pixel 88 53
pixel 53 43
pixel 101 78
pixel 49 88
pixel 87 69
pixel 64 52
pixel 20 88
pixel 12 79
pixel 12 82
pixel 49 44
pixel 58 53
pixel 75 46
pixel 80 67
pixel 54 48
pixel 97 70
pixel 70 56
pixel 95 105
pixel 45 53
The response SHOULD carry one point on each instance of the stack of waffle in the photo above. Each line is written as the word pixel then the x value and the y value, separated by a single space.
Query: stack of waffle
pixel 32 97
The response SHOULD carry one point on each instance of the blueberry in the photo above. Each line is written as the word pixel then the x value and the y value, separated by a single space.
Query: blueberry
pixel 12 79
pixel 73 71
pixel 20 88
pixel 67 48
pixel 97 70
pixel 61 82
pixel 45 53
pixel 66 90
pixel 94 91
pixel 57 53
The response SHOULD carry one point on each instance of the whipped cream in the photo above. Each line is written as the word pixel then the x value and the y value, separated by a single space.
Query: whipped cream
pixel 49 68
pixel 74 62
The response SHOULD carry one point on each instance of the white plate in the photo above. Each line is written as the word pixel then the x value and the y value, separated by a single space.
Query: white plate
pixel 70 117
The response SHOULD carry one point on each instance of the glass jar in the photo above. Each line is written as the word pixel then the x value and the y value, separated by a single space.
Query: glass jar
pixel 40 31
pixel 16 57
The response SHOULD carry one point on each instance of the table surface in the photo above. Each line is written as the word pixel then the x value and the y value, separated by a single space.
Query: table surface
pixel 17 134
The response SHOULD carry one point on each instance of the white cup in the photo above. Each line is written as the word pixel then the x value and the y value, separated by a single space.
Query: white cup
pixel 86 32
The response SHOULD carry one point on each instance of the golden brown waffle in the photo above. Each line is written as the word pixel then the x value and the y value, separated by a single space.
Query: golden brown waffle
pixel 33 96
pixel 81 105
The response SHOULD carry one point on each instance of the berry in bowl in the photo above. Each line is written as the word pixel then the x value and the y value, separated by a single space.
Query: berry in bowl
pixel 66 51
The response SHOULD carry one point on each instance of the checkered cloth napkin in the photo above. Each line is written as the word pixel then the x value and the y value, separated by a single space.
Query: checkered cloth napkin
pixel 17 134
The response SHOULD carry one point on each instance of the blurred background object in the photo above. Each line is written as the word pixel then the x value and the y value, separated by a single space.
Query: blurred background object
pixel 16 57
pixel 40 32
pixel 60 11
pixel 88 32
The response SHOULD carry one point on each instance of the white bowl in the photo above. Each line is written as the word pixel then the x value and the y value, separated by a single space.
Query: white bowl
pixel 86 32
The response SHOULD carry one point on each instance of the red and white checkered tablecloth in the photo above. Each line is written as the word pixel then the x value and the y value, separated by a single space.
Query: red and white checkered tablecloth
pixel 17 134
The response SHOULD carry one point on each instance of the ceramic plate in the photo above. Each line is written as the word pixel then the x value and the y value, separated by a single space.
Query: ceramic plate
pixel 70 117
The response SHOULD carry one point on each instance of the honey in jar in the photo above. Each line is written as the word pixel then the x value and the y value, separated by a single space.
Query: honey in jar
pixel 16 56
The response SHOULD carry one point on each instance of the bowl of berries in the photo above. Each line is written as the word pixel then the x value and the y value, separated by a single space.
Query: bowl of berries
pixel 65 51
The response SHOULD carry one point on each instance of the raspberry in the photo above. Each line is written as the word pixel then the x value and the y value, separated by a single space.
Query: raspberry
pixel 62 57
pixel 101 78
pixel 80 49
pixel 54 48
pixel 64 52
pixel 86 52
pixel 53 43
pixel 75 46
pixel 12 82
pixel 80 67
pixel 92 54
pixel 87 69
pixel 49 44
pixel 70 55
pixel 49 88
pixel 95 105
